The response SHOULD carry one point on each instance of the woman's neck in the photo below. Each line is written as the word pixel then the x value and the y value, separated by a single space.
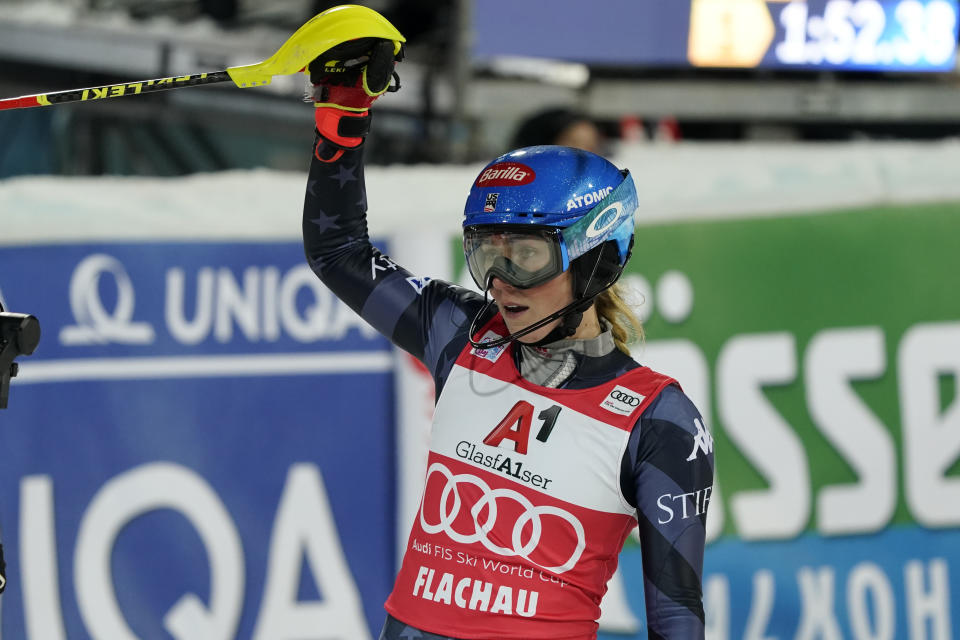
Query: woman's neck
pixel 589 326
pixel 552 365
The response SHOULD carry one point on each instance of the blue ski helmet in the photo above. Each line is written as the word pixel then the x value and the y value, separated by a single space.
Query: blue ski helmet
pixel 571 200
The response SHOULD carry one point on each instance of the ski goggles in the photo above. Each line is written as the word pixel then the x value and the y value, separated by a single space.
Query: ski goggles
pixel 523 258
pixel 525 255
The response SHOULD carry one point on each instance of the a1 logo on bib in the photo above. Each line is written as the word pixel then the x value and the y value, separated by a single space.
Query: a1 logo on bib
pixel 622 401
pixel 491 354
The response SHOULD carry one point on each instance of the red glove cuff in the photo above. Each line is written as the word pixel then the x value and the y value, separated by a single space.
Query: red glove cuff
pixel 339 130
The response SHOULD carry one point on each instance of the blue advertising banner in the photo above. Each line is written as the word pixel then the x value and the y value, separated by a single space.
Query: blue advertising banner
pixel 811 35
pixel 185 453
pixel 813 587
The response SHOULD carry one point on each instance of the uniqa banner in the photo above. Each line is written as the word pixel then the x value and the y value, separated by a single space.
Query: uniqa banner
pixel 201 447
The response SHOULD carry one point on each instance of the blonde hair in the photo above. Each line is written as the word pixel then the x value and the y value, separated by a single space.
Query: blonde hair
pixel 626 327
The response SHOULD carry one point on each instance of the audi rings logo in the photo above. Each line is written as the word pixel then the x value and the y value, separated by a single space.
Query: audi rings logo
pixel 448 509
pixel 625 398
pixel 622 401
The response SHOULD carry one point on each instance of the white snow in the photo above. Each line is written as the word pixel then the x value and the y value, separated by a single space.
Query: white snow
pixel 674 183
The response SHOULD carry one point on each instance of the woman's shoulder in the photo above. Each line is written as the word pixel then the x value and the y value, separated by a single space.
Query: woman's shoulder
pixel 454 304
pixel 672 405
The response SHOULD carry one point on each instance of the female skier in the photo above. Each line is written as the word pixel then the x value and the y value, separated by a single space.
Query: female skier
pixel 549 442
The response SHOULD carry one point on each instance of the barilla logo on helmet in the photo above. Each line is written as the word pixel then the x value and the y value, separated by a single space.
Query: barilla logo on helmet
pixel 506 174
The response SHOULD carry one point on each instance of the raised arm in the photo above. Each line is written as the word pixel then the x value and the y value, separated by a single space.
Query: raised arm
pixel 429 319
pixel 425 317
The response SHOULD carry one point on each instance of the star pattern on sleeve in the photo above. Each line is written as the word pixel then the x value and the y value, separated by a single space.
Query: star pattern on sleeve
pixel 409 633
pixel 325 222
pixel 345 175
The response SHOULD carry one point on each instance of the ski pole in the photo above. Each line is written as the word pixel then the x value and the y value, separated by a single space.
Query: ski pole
pixel 322 32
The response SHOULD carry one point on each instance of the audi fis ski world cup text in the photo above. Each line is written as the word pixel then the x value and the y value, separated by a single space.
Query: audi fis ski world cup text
pixel 489 565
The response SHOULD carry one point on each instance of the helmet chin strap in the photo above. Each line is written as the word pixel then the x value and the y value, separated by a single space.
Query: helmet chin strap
pixel 567 327
pixel 499 342
pixel 571 316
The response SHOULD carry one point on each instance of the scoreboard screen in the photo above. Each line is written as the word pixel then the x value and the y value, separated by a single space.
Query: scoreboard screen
pixel 853 35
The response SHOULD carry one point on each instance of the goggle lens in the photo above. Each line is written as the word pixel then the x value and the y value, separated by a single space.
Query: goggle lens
pixel 523 259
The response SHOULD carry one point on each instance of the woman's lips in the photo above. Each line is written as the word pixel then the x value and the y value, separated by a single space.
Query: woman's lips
pixel 512 310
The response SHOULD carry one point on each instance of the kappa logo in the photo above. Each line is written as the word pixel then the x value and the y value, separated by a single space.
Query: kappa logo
pixel 622 401
pixel 703 441
pixel 506 174
pixel 418 283
pixel 492 354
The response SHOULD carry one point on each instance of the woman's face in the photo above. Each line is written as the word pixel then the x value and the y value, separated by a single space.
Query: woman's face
pixel 522 307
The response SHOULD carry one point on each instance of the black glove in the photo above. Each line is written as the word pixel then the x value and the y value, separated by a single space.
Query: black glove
pixel 346 80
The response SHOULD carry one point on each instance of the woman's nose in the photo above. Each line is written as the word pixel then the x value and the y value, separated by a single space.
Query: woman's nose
pixel 502 285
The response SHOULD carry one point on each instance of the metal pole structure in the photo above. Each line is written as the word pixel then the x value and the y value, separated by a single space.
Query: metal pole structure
pixel 461 71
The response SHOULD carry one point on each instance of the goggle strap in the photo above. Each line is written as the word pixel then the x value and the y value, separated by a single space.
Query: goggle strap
pixel 575 239
pixel 593 272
